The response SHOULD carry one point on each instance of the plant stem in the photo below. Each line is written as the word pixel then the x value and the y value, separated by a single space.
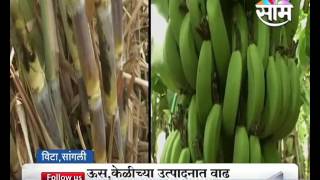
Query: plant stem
pixel 117 26
pixel 90 73
pixel 52 60
pixel 109 71
pixel 35 79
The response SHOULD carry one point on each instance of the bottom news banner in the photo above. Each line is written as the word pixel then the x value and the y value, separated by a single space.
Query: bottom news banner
pixel 159 171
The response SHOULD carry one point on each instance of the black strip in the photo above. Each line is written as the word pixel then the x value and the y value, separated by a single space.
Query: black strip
pixel 149 78
pixel 314 91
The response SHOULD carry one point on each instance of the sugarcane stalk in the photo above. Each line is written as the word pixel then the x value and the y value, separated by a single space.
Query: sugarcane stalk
pixel 50 40
pixel 107 56
pixel 44 104
pixel 35 79
pixel 75 59
pixel 117 27
pixel 90 72
pixel 109 71
pixel 52 58
pixel 25 9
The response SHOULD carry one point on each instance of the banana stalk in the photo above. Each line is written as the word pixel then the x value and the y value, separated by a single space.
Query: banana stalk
pixel 90 71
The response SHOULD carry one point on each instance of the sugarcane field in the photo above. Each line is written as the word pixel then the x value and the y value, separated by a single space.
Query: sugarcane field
pixel 79 79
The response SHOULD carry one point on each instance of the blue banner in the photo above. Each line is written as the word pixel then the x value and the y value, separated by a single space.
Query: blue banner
pixel 65 156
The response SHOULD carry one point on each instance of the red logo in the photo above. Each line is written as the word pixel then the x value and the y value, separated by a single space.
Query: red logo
pixel 62 176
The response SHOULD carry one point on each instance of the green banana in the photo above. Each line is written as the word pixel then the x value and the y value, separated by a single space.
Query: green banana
pixel 204 82
pixel 176 15
pixel 232 93
pixel 241 146
pixel 195 19
pixel 193 130
pixel 294 109
pixel 184 156
pixel 270 152
pixel 172 58
pixel 240 41
pixel 211 141
pixel 219 39
pixel 166 147
pixel 256 88
pixel 176 149
pixel 255 150
pixel 170 147
pixel 282 68
pixel 188 53
pixel 273 99
pixel 263 40
pixel 240 32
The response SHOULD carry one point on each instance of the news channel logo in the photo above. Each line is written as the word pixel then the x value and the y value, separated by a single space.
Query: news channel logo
pixel 278 12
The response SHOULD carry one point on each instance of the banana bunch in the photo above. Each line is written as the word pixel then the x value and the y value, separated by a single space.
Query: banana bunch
pixel 242 82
